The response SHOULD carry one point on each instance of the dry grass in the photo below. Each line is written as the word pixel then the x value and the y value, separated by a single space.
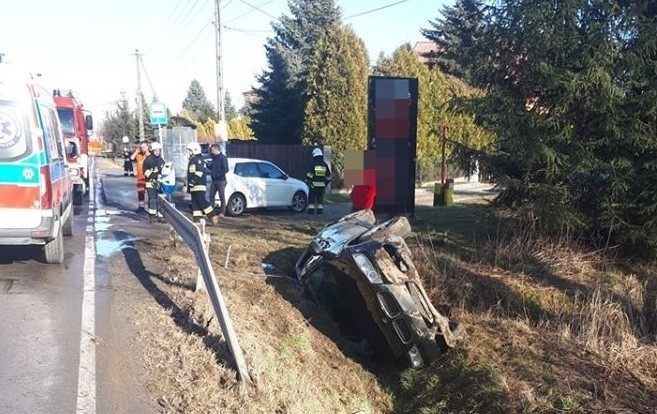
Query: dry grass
pixel 552 328
pixel 561 328
pixel 295 367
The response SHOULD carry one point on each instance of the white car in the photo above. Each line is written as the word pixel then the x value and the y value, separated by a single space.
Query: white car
pixel 261 184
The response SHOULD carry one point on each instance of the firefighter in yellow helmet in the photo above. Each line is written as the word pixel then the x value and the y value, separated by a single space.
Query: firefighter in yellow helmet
pixel 197 172
pixel 317 178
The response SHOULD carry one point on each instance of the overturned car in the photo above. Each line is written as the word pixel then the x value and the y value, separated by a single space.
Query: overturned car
pixel 362 274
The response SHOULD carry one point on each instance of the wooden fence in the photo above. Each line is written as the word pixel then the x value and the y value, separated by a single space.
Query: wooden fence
pixel 295 160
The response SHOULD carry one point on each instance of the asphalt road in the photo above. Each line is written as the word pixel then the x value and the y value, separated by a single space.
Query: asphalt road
pixel 65 331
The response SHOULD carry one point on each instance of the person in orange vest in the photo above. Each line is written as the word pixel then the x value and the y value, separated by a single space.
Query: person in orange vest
pixel 139 156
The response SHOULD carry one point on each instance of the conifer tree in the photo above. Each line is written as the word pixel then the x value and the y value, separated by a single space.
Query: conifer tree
pixel 197 104
pixel 335 113
pixel 457 33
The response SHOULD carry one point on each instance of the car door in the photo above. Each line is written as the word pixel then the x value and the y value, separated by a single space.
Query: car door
pixel 250 183
pixel 278 190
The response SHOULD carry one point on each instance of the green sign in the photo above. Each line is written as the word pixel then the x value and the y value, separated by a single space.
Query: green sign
pixel 159 114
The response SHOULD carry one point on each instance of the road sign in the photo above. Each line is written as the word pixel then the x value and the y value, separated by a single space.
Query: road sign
pixel 159 114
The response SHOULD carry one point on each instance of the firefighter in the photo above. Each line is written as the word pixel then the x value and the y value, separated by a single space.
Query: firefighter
pixel 127 160
pixel 317 178
pixel 152 169
pixel 197 172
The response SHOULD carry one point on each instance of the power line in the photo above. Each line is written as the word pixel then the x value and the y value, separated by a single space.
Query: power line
pixel 226 5
pixel 258 8
pixel 201 47
pixel 184 19
pixel 203 28
pixel 375 10
pixel 248 32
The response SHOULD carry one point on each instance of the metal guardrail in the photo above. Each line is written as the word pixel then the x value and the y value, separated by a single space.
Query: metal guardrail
pixel 191 234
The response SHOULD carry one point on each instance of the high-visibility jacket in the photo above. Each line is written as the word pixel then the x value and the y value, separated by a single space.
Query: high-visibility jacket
pixel 319 174
pixel 139 158
pixel 152 168
pixel 197 172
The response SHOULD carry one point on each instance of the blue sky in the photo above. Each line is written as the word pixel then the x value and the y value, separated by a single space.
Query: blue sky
pixel 89 45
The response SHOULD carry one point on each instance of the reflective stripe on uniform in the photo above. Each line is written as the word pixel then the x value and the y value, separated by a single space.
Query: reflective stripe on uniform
pixel 197 188
pixel 208 210
pixel 319 184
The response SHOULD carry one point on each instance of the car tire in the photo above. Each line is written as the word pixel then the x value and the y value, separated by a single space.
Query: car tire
pixel 398 226
pixel 362 215
pixel 67 228
pixel 54 249
pixel 236 205
pixel 299 202
pixel 77 196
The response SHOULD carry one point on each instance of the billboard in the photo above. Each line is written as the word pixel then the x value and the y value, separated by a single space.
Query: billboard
pixel 392 136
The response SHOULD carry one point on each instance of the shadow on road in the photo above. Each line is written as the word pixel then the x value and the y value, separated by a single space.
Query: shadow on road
pixel 181 317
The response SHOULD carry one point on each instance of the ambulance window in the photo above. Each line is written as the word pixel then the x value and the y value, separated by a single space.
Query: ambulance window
pixel 52 134
pixel 14 142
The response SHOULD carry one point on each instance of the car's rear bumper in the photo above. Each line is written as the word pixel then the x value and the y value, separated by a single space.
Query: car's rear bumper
pixel 41 234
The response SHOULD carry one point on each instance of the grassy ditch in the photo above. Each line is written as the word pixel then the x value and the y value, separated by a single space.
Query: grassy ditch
pixel 551 327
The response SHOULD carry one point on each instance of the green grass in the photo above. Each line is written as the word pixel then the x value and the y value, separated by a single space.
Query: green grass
pixel 457 225
pixel 337 197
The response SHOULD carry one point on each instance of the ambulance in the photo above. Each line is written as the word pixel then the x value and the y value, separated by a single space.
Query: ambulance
pixel 35 187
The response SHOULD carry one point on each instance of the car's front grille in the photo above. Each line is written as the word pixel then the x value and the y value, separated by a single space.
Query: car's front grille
pixel 403 330
pixel 389 304
pixel 420 302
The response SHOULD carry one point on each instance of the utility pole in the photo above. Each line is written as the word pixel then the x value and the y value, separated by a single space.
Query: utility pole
pixel 220 133
pixel 140 104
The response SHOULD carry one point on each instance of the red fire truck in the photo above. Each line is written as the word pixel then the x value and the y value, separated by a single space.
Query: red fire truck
pixel 77 125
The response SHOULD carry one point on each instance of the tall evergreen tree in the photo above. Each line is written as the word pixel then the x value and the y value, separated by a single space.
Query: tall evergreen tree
pixel 572 95
pixel 229 107
pixel 458 32
pixel 119 122
pixel 197 103
pixel 335 113
pixel 290 54
pixel 275 113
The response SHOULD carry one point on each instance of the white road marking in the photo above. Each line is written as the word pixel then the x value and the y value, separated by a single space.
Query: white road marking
pixel 86 402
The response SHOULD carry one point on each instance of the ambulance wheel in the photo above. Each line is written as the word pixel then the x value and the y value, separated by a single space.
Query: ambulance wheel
pixel 54 249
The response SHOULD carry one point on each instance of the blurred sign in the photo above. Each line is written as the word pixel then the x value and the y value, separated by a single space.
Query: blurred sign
pixel 159 114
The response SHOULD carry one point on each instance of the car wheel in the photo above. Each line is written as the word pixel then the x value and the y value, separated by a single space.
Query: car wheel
pixel 54 250
pixel 398 226
pixel 77 196
pixel 236 205
pixel 299 202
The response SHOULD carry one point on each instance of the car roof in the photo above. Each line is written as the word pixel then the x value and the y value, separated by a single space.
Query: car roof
pixel 239 160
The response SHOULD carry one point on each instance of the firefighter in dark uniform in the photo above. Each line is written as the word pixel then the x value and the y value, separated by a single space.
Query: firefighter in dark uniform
pixel 197 172
pixel 127 160
pixel 152 168
pixel 317 179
